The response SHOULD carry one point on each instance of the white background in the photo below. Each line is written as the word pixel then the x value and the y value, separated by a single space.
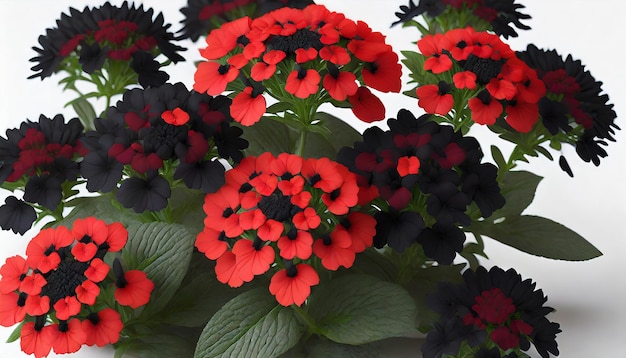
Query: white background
pixel 589 296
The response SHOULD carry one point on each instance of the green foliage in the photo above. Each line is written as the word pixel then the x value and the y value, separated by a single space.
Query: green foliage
pixel 168 248
pixel 250 325
pixel 358 309
pixel 532 234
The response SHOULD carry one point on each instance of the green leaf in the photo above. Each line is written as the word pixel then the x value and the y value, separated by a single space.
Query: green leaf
pixel 374 263
pixel 84 110
pixel 498 157
pixel 199 296
pixel 518 189
pixel 169 246
pixel 158 343
pixel 15 335
pixel 267 135
pixel 328 348
pixel 186 207
pixel 250 325
pixel 100 207
pixel 358 309
pixel 540 237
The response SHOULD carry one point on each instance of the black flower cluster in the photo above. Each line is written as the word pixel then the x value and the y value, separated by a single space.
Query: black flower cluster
pixel 108 32
pixel 427 175
pixel 496 306
pixel 38 158
pixel 156 135
pixel 202 16
pixel 502 15
pixel 574 103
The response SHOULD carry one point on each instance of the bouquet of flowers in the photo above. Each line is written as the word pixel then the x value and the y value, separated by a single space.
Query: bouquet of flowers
pixel 239 216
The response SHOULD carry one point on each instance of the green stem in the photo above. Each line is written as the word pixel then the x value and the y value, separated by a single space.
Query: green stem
pixel 300 143
pixel 306 318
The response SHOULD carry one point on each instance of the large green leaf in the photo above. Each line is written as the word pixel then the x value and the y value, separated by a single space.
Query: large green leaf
pixel 538 236
pixel 250 325
pixel 200 295
pixel 334 134
pixel 267 135
pixel 100 207
pixel 518 189
pixel 327 348
pixel 168 248
pixel 164 341
pixel 358 309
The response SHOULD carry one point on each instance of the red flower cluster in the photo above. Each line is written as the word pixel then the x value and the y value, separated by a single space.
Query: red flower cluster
pixel 295 54
pixel 479 66
pixel 55 290
pixel 284 209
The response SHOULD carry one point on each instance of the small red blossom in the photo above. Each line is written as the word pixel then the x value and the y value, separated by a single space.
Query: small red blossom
pixel 435 99
pixel 384 73
pixel 296 244
pixel 341 86
pixel 133 289
pixel 212 78
pixel 247 108
pixel 250 260
pixel 293 285
pixel 335 249
pixel 367 106
pixel 102 328
pixel 465 79
pixel 69 336
pixel 303 83
pixel 485 109
pixel 175 117
pixel 37 340
pixel 212 243
pixel 408 165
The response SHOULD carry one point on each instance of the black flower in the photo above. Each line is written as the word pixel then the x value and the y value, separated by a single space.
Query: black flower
pixel 16 215
pixel 151 193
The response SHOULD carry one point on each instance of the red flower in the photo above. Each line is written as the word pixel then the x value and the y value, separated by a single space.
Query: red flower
pixel 97 270
pixel 212 78
pixel 87 292
pixel 465 79
pixel 522 116
pixel 42 250
pixel 335 249
pixel 69 336
pixel 335 54
pixel 340 86
pixel 435 99
pixel 384 73
pixel 247 107
pixel 36 339
pixel 322 173
pixel 303 83
pixel 224 39
pixel 340 200
pixel 485 109
pixel 293 285
pixel 408 165
pixel 11 273
pixel 175 117
pixel 12 308
pixel 250 260
pixel 297 243
pixel 133 289
pixel 102 328
pixel 221 209
pixel 306 219
pixel 366 106
pixel 501 89
pixel 67 307
pixel 212 243
pixel 117 236
pixel 226 270
pixel 361 227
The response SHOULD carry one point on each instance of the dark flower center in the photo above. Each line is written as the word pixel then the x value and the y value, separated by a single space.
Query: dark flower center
pixel 162 139
pixel 493 306
pixel 277 206
pixel 484 68
pixel 63 281
pixel 443 88
pixel 301 39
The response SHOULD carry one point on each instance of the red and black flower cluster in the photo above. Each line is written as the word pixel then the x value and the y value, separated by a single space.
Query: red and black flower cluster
pixel 57 290
pixel 156 136
pixel 38 158
pixel 491 306
pixel 422 176
pixel 96 35
pixel 574 103
pixel 284 213
pixel 500 15
pixel 299 57
pixel 202 16
pixel 478 70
